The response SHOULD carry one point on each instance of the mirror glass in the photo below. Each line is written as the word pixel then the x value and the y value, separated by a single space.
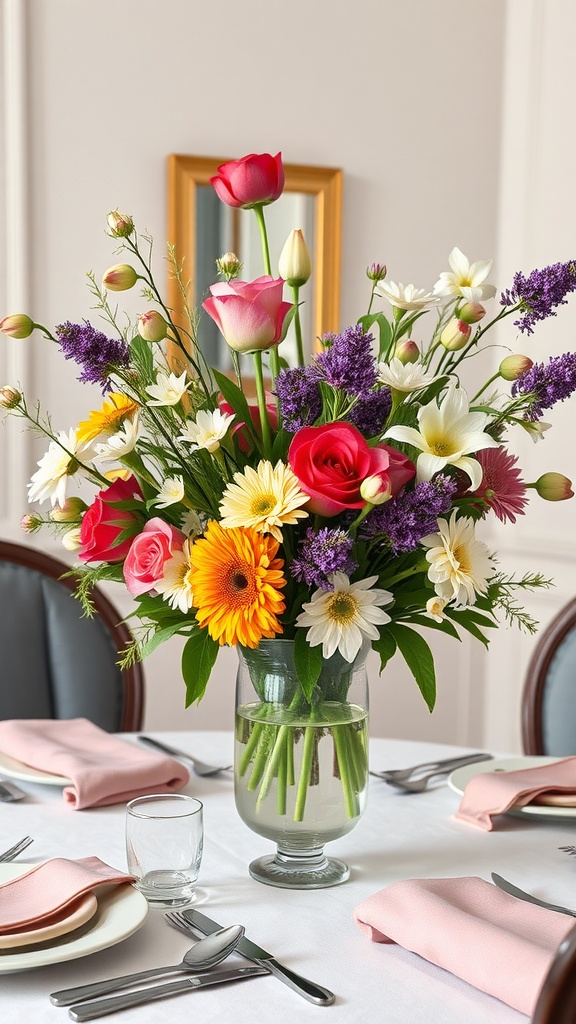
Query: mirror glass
pixel 202 228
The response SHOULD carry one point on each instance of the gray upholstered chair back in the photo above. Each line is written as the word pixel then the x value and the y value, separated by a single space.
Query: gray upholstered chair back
pixel 549 698
pixel 54 662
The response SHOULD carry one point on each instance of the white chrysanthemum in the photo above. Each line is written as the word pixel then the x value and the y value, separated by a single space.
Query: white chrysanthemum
pixel 175 585
pixel 460 565
pixel 172 490
pixel 447 433
pixel 207 430
pixel 191 524
pixel 265 498
pixel 405 296
pixel 465 279
pixel 56 465
pixel 404 376
pixel 168 389
pixel 341 618
pixel 119 444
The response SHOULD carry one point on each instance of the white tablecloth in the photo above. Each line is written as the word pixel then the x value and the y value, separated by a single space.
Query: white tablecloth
pixel 313 932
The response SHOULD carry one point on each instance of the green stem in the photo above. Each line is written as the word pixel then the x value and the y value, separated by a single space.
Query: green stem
pixel 259 211
pixel 250 747
pixel 298 326
pixel 261 395
pixel 273 763
pixel 305 770
pixel 346 770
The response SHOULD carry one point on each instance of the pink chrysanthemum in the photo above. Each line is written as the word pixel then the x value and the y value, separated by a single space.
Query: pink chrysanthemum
pixel 501 487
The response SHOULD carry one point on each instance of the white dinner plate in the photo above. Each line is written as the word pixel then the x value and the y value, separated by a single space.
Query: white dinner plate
pixel 18 770
pixel 460 778
pixel 121 911
pixel 68 920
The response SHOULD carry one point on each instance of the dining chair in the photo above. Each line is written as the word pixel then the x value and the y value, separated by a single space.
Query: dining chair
pixel 549 694
pixel 556 1003
pixel 55 662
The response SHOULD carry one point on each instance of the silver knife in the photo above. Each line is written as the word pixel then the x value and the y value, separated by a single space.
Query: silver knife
pixel 312 992
pixel 513 890
pixel 101 1007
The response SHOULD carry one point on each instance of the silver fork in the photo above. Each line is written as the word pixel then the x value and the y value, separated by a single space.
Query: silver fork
pixel 18 848
pixel 430 768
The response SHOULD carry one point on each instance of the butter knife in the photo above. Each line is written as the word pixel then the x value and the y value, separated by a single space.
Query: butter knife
pixel 312 992
pixel 101 1007
pixel 513 890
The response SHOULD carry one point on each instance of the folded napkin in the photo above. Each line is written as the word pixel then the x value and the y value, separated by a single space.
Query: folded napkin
pixel 103 769
pixel 471 928
pixel 492 793
pixel 43 892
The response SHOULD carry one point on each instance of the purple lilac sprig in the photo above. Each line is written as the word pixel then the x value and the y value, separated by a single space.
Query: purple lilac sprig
pixel 298 393
pixel 348 363
pixel 404 520
pixel 545 384
pixel 370 414
pixel 540 292
pixel 322 553
pixel 93 351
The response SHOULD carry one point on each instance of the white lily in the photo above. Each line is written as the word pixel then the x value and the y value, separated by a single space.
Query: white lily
pixel 168 389
pixel 405 296
pixel 404 376
pixel 447 434
pixel 207 430
pixel 465 279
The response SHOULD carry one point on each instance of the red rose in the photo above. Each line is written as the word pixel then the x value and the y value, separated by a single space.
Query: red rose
pixel 331 461
pixel 144 564
pixel 256 178
pixel 102 524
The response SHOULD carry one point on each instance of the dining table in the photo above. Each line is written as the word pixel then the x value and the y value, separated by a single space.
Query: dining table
pixel 312 932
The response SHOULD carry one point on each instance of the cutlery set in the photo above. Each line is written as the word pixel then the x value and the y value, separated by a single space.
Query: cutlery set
pixel 416 778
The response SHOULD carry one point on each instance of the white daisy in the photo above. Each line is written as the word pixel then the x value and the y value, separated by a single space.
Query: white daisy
pixel 207 430
pixel 341 618
pixel 465 279
pixel 175 585
pixel 56 465
pixel 168 389
pixel 405 296
pixel 404 376
pixel 447 433
pixel 171 491
pixel 460 565
pixel 120 443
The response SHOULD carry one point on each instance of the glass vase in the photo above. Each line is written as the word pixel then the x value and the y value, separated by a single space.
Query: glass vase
pixel 300 767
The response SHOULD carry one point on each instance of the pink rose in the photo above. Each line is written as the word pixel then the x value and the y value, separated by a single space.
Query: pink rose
pixel 243 437
pixel 332 461
pixel 250 314
pixel 144 564
pixel 256 178
pixel 102 524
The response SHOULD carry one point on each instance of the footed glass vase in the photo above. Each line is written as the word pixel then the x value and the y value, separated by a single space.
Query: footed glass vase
pixel 300 767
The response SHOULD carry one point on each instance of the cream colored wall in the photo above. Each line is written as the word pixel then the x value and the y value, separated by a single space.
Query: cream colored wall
pixel 406 96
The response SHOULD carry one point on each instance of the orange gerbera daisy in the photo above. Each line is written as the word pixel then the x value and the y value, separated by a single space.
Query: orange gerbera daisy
pixel 236 580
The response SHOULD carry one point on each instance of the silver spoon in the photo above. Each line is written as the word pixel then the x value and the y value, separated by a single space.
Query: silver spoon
pixel 203 955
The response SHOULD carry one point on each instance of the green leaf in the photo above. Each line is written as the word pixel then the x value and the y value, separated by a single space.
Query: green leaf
pixel 308 663
pixel 385 646
pixel 445 626
pixel 159 637
pixel 368 321
pixel 141 354
pixel 198 659
pixel 418 657
pixel 466 622
pixel 237 399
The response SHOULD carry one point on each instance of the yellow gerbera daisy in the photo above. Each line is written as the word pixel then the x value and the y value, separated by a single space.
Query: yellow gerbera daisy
pixel 116 408
pixel 265 498
pixel 236 579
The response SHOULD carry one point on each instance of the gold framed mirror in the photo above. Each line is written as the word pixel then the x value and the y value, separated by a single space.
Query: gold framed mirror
pixel 202 228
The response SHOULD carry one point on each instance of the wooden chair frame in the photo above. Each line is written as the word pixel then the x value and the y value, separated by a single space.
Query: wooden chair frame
pixel 536 677
pixel 133 676
pixel 556 1003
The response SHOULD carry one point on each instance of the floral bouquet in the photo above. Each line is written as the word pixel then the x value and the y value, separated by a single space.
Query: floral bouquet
pixel 340 509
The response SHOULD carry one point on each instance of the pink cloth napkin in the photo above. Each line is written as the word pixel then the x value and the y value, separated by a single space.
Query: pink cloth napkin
pixel 492 793
pixel 48 888
pixel 103 769
pixel 471 928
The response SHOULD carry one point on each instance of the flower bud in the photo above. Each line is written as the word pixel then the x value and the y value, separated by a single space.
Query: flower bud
pixel 72 540
pixel 121 224
pixel 9 397
pixel 471 312
pixel 70 512
pixel 435 608
pixel 376 489
pixel 513 367
pixel 455 335
pixel 554 487
pixel 17 325
pixel 535 428
pixel 295 265
pixel 406 351
pixel 120 277
pixel 229 265
pixel 30 523
pixel 376 271
pixel 152 326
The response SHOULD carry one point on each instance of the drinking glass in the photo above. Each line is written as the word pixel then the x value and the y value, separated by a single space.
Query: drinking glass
pixel 164 842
